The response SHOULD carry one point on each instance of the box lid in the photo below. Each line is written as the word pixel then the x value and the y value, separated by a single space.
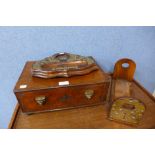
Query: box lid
pixel 27 82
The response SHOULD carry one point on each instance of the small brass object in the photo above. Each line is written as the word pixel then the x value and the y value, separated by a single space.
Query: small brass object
pixel 40 100
pixel 89 93
pixel 127 110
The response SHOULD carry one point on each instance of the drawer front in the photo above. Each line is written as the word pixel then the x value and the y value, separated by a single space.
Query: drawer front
pixel 60 98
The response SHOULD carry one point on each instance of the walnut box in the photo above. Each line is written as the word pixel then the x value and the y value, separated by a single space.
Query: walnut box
pixel 38 95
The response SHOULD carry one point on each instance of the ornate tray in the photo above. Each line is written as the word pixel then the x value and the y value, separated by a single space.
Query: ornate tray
pixel 127 110
pixel 63 65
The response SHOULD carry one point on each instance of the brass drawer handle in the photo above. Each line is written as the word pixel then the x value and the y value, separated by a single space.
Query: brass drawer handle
pixel 89 93
pixel 40 100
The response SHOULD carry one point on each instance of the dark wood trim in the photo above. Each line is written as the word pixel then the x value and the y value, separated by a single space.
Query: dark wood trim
pixel 13 118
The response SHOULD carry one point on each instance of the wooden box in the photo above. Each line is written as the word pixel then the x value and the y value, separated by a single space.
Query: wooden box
pixel 37 95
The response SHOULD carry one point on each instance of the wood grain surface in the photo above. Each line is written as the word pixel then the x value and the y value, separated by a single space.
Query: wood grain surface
pixel 35 83
pixel 57 96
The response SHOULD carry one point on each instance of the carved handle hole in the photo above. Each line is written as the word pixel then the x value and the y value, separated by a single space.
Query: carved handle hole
pixel 125 65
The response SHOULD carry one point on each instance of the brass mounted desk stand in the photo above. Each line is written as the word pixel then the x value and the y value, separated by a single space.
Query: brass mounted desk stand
pixel 63 65
pixel 124 108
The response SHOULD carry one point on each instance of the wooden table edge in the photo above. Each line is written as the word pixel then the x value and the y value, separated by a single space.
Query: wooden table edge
pixel 144 89
pixel 13 118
